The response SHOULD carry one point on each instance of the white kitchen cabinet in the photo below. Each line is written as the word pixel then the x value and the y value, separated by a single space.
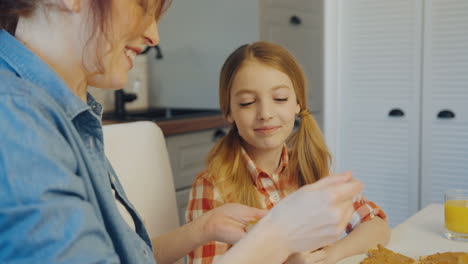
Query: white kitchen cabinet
pixel 445 93
pixel 395 66
pixel 182 197
pixel 188 153
pixel 297 25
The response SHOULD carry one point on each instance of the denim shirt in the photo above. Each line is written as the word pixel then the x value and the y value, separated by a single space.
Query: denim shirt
pixel 56 200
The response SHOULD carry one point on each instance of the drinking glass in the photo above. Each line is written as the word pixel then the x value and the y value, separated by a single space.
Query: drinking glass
pixel 456 214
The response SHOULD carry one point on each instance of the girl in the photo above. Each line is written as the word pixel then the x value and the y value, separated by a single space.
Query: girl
pixel 262 91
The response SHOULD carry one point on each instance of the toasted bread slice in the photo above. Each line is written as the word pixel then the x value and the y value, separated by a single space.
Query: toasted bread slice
pixel 463 259
pixel 382 255
pixel 446 258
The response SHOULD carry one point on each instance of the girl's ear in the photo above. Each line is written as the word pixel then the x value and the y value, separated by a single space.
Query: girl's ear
pixel 229 119
pixel 73 6
pixel 298 109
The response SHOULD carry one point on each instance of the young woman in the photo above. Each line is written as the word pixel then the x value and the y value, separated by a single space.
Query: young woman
pixel 262 91
pixel 58 192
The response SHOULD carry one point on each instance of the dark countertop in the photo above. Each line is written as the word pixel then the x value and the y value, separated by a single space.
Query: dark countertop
pixel 183 121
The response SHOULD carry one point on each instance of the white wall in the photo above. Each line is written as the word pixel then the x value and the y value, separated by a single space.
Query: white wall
pixel 196 38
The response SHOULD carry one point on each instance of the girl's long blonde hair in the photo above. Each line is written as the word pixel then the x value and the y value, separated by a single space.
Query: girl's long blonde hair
pixel 309 159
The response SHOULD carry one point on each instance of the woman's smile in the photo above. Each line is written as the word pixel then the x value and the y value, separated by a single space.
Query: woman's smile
pixel 131 54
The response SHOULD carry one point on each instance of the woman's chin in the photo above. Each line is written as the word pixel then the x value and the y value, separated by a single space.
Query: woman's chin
pixel 114 83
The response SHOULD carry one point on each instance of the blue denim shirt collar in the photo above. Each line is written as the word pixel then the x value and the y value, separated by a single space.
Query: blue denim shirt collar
pixel 30 67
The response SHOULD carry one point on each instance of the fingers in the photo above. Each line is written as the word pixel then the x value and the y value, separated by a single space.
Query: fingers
pixel 346 191
pixel 331 180
pixel 346 174
pixel 243 213
pixel 258 213
pixel 229 231
pixel 345 213
pixel 316 256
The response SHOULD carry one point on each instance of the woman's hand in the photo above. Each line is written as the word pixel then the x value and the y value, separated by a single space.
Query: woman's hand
pixel 320 256
pixel 315 215
pixel 227 223
pixel 316 257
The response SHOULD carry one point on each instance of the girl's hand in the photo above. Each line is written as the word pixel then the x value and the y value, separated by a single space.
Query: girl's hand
pixel 227 223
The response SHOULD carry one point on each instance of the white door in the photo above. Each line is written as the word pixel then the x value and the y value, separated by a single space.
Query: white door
pixel 445 99
pixel 379 62
pixel 298 26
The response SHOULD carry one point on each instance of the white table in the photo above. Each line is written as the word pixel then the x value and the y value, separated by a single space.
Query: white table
pixel 419 235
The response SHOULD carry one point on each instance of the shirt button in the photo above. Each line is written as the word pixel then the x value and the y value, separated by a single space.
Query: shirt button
pixel 145 252
pixel 113 179
pixel 274 197
pixel 91 142
pixel 274 176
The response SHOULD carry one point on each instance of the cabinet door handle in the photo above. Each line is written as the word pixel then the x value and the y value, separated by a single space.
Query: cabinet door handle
pixel 396 112
pixel 159 55
pixel 295 20
pixel 446 114
pixel 218 134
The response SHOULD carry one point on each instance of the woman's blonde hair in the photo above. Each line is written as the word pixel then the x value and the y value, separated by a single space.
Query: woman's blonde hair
pixel 309 159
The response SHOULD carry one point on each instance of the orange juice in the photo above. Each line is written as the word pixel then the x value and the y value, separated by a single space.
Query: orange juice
pixel 456 216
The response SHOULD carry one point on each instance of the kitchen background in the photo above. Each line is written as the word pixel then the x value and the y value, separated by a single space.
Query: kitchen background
pixel 388 84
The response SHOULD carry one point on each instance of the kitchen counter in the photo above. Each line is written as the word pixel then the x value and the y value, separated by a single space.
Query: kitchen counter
pixel 182 125
pixel 420 235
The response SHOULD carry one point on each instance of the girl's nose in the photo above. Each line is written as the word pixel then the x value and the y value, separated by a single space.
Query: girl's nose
pixel 264 111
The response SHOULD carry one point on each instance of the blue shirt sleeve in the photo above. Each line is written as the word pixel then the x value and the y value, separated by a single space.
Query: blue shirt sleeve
pixel 45 214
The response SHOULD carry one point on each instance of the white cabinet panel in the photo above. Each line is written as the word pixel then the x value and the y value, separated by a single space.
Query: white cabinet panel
pixel 188 153
pixel 380 151
pixel 304 5
pixel 379 85
pixel 445 154
pixel 182 202
pixel 380 48
pixel 445 140
pixel 445 50
pixel 409 55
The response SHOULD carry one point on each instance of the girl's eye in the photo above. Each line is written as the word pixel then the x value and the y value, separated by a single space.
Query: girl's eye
pixel 281 99
pixel 246 104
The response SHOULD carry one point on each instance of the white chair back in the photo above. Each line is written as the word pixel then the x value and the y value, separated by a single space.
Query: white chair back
pixel 138 153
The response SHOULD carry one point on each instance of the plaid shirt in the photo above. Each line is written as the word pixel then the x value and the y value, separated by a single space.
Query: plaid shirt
pixel 272 188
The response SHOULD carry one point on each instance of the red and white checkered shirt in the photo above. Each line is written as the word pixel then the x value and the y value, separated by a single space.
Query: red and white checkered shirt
pixel 206 196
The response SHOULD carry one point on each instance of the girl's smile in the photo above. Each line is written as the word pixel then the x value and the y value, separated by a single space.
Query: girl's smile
pixel 267 130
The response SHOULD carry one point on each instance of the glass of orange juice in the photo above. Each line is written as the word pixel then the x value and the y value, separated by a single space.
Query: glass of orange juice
pixel 456 214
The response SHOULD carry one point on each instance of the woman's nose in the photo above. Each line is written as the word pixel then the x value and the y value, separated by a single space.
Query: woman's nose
pixel 151 35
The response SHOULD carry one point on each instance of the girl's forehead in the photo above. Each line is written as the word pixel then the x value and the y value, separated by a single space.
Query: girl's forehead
pixel 258 77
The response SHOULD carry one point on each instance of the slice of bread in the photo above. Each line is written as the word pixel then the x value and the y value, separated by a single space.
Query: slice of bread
pixel 382 255
pixel 445 258
pixel 463 259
